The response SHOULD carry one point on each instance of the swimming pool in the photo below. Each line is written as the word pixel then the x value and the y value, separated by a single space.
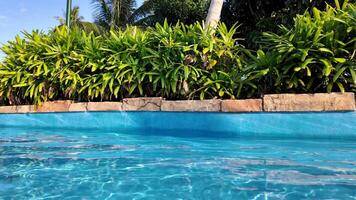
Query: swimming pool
pixel 117 155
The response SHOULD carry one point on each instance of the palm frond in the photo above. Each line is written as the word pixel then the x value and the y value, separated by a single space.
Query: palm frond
pixel 143 11
pixel 113 13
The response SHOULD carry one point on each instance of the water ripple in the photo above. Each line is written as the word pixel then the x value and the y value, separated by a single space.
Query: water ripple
pixel 105 165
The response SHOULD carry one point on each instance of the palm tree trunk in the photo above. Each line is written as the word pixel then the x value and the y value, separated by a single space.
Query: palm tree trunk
pixel 116 8
pixel 69 9
pixel 214 13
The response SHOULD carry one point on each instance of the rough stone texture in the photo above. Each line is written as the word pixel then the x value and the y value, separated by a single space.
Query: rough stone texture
pixel 8 109
pixel 78 107
pixel 309 102
pixel 271 103
pixel 192 106
pixel 104 106
pixel 142 104
pixel 25 109
pixel 248 105
pixel 54 106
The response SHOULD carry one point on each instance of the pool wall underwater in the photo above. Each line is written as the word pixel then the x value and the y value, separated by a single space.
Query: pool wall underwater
pixel 338 125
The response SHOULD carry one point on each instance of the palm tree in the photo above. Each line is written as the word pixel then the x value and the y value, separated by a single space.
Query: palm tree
pixel 214 13
pixel 113 13
pixel 75 17
pixel 144 15
pixel 76 21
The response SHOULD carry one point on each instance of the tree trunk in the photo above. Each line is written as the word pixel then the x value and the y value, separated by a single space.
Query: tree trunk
pixel 214 13
pixel 68 13
pixel 115 15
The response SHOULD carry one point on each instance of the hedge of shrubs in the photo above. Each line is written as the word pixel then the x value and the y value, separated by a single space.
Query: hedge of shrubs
pixel 181 62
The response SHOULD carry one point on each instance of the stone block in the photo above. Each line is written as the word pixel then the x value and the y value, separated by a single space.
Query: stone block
pixel 78 107
pixel 104 106
pixel 192 106
pixel 25 109
pixel 248 105
pixel 142 104
pixel 54 106
pixel 309 102
pixel 8 109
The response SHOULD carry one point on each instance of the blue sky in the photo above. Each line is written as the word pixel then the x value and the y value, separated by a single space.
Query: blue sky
pixel 18 15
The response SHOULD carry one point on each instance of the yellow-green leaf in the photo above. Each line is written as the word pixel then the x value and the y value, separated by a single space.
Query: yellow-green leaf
pixel 221 93
pixel 206 50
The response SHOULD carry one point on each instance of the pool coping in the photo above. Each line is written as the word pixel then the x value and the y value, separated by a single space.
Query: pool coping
pixel 318 102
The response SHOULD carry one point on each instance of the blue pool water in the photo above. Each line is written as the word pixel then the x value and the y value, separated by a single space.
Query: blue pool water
pixel 177 156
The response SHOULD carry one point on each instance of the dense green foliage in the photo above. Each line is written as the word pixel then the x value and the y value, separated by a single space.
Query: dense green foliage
pixel 257 16
pixel 181 61
pixel 157 11
pixel 177 62
pixel 316 55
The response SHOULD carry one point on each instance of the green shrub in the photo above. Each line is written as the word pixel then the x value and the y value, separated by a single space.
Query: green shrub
pixel 316 55
pixel 179 62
